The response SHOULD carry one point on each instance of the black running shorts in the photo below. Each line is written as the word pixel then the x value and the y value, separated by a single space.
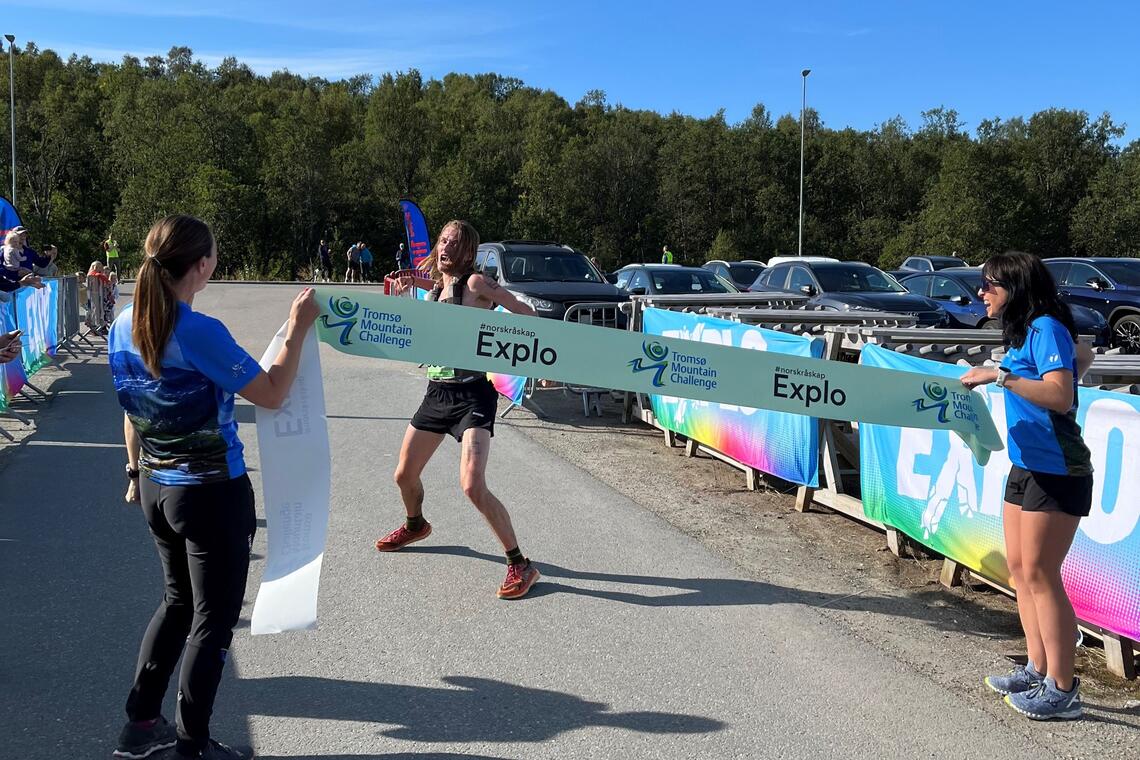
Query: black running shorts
pixel 454 407
pixel 1044 492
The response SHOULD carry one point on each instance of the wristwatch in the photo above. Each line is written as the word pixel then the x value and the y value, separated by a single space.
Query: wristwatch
pixel 1002 376
pixel 132 474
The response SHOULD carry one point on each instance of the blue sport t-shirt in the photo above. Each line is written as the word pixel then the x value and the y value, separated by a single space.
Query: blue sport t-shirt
pixel 1042 440
pixel 185 419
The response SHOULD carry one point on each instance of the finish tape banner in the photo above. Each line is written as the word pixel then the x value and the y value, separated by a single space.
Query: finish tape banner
pixel 296 482
pixel 926 484
pixel 405 329
pixel 778 443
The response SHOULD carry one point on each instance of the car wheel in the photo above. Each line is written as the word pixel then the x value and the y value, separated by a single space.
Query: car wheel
pixel 1126 333
pixel 990 324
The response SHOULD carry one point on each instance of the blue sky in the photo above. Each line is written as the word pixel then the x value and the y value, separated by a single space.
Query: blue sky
pixel 870 61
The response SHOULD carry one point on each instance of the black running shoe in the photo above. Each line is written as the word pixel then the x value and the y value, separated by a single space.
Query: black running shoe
pixel 137 742
pixel 215 750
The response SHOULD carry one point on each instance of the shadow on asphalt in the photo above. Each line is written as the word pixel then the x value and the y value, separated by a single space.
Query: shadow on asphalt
pixel 713 592
pixel 467 709
pixel 393 756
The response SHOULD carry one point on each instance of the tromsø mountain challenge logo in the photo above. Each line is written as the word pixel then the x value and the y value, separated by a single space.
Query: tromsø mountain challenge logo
pixel 657 354
pixel 344 308
pixel 936 398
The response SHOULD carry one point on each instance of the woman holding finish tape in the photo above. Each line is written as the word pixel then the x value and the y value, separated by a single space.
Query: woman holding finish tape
pixel 1050 483
pixel 176 372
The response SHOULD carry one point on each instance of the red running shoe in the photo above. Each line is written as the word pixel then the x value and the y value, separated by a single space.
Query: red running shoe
pixel 519 580
pixel 401 537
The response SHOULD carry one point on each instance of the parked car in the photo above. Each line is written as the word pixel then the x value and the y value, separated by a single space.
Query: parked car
pixel 850 286
pixel 931 263
pixel 670 279
pixel 957 291
pixel 547 276
pixel 740 273
pixel 781 259
pixel 1110 286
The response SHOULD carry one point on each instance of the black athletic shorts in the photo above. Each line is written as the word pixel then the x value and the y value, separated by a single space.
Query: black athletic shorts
pixel 455 407
pixel 1044 492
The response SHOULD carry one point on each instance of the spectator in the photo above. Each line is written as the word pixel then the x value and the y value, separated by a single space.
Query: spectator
pixel 49 268
pixel 324 256
pixel 10 346
pixel 111 248
pixel 365 262
pixel 352 273
pixel 99 288
pixel 16 258
pixel 1050 483
pixel 110 298
pixel 666 255
pixel 176 372
pixel 403 260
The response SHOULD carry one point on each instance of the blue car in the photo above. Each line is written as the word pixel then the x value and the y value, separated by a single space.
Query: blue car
pixel 957 290
pixel 1110 286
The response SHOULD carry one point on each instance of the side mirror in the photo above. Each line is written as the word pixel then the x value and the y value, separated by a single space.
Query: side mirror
pixel 491 273
pixel 960 300
pixel 807 290
pixel 637 291
pixel 1097 283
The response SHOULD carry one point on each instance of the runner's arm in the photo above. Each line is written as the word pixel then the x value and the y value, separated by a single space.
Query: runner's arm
pixel 491 290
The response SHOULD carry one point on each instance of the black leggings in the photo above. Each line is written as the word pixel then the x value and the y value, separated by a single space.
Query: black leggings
pixel 203 534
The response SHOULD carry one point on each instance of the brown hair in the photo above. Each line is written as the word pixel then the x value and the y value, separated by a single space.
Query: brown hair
pixel 468 244
pixel 173 245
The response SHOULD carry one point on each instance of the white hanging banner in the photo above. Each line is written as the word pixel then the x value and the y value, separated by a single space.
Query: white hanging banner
pixel 296 481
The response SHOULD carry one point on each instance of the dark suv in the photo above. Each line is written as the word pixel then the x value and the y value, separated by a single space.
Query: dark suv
pixel 547 276
pixel 850 286
pixel 1110 286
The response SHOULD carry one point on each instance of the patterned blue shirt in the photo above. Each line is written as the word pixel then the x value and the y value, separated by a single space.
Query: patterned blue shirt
pixel 185 419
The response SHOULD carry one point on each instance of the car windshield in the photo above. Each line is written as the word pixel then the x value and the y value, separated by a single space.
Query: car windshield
pixel 744 274
pixel 855 279
pixel 1124 272
pixel 541 266
pixel 682 281
pixel 945 262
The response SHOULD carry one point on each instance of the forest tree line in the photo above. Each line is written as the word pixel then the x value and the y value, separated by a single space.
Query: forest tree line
pixel 275 163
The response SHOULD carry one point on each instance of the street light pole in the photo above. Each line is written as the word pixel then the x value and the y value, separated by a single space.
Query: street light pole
pixel 803 112
pixel 12 105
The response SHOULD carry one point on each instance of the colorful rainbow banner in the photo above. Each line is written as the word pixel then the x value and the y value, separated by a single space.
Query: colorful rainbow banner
pixel 926 484
pixel 778 443
pixel 12 375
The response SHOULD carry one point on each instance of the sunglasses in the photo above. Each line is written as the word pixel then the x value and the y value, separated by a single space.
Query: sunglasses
pixel 988 285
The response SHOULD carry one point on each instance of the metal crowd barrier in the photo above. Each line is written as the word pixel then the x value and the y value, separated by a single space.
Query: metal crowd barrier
pixel 599 314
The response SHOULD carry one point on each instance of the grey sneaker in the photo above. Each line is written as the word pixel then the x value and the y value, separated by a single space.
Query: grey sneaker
pixel 1047 702
pixel 137 742
pixel 1022 678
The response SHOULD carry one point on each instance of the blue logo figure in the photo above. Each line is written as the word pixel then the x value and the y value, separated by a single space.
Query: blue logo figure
pixel 937 400
pixel 346 309
pixel 656 353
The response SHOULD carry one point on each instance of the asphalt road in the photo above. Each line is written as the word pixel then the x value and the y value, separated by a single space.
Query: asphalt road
pixel 638 642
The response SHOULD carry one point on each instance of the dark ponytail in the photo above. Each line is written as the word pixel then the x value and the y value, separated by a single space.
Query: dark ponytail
pixel 173 245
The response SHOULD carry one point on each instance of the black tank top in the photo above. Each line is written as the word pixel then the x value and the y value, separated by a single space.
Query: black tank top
pixel 441 374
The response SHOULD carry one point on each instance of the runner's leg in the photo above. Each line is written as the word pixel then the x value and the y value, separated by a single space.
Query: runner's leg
pixel 415 452
pixel 472 476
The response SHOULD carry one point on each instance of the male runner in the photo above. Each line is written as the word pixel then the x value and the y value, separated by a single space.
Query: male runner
pixel 461 403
